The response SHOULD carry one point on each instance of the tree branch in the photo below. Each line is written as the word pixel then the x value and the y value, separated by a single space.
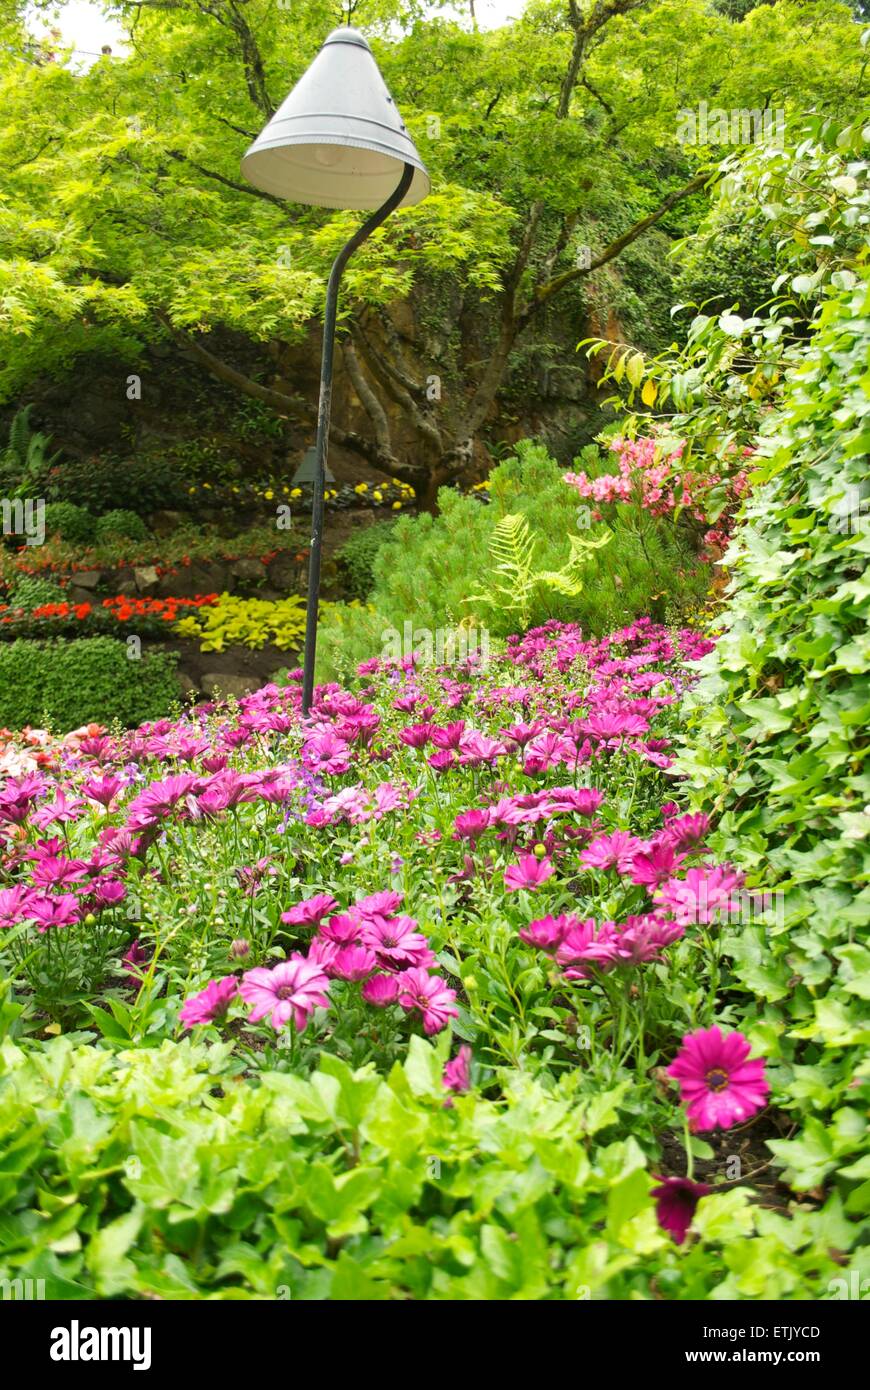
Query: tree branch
pixel 545 293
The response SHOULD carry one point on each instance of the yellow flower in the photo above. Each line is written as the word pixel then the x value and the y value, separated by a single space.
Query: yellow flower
pixel 297 492
pixel 191 489
pixel 208 485
pixel 235 489
pixel 378 496
pixel 361 487
pixel 268 494
pixel 397 506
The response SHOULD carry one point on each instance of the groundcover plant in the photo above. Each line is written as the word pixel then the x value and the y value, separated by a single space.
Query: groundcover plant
pixel 419 997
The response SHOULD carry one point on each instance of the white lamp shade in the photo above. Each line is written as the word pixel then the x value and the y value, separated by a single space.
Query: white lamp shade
pixel 338 140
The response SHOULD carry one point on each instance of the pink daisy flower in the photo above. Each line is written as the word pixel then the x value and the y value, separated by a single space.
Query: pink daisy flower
pixel 429 994
pixel 677 1199
pixel 211 1003
pixel 398 944
pixel 530 873
pixel 381 990
pixel 352 963
pixel 293 989
pixel 719 1082
pixel 310 910
pixel 457 1072
pixel 614 851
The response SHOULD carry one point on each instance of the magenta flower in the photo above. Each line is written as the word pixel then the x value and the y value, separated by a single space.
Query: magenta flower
pixel 397 943
pixel 530 873
pixel 49 912
pixel 470 825
pixel 655 865
pixel 428 994
pixel 718 1080
pixel 614 851
pixel 291 990
pixel 416 735
pixel 352 963
pixel 381 990
pixel 547 933
pixel 457 1072
pixel 13 905
pixel 108 892
pixel 310 910
pixel 644 938
pixel 377 904
pixel 677 1199
pixel 584 944
pixel 704 895
pixel 53 870
pixel 211 1003
pixel 687 832
pixel 102 789
pixel 133 959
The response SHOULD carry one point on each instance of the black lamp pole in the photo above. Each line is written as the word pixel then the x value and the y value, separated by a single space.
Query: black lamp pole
pixel 323 412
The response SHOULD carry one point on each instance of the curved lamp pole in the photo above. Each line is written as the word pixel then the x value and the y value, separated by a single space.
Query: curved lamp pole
pixel 337 141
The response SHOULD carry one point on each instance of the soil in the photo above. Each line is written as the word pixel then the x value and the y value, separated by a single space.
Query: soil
pixel 745 1142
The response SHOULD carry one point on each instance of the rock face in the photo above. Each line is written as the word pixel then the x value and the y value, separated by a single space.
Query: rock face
pixel 221 683
pixel 87 579
pixel 147 579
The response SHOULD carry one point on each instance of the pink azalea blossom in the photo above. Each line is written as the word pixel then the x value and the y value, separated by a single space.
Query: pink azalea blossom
pixel 719 1082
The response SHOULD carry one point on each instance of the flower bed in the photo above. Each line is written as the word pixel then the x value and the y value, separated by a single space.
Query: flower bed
pixel 421 997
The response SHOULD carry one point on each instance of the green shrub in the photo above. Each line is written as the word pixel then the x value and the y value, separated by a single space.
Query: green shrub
pixel 428 569
pixel 30 591
pixel 72 523
pixel 90 679
pixel 120 523
pixel 104 484
pixel 355 560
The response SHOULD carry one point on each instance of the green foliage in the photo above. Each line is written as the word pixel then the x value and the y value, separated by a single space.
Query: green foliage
pixel 73 524
pixel 168 1178
pixel 246 622
pixel 356 558
pixel 120 524
pixel 778 737
pixel 24 460
pixel 515 578
pixel 89 680
pixel 30 591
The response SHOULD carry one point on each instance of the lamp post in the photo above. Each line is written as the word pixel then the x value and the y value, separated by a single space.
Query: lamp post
pixel 337 141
